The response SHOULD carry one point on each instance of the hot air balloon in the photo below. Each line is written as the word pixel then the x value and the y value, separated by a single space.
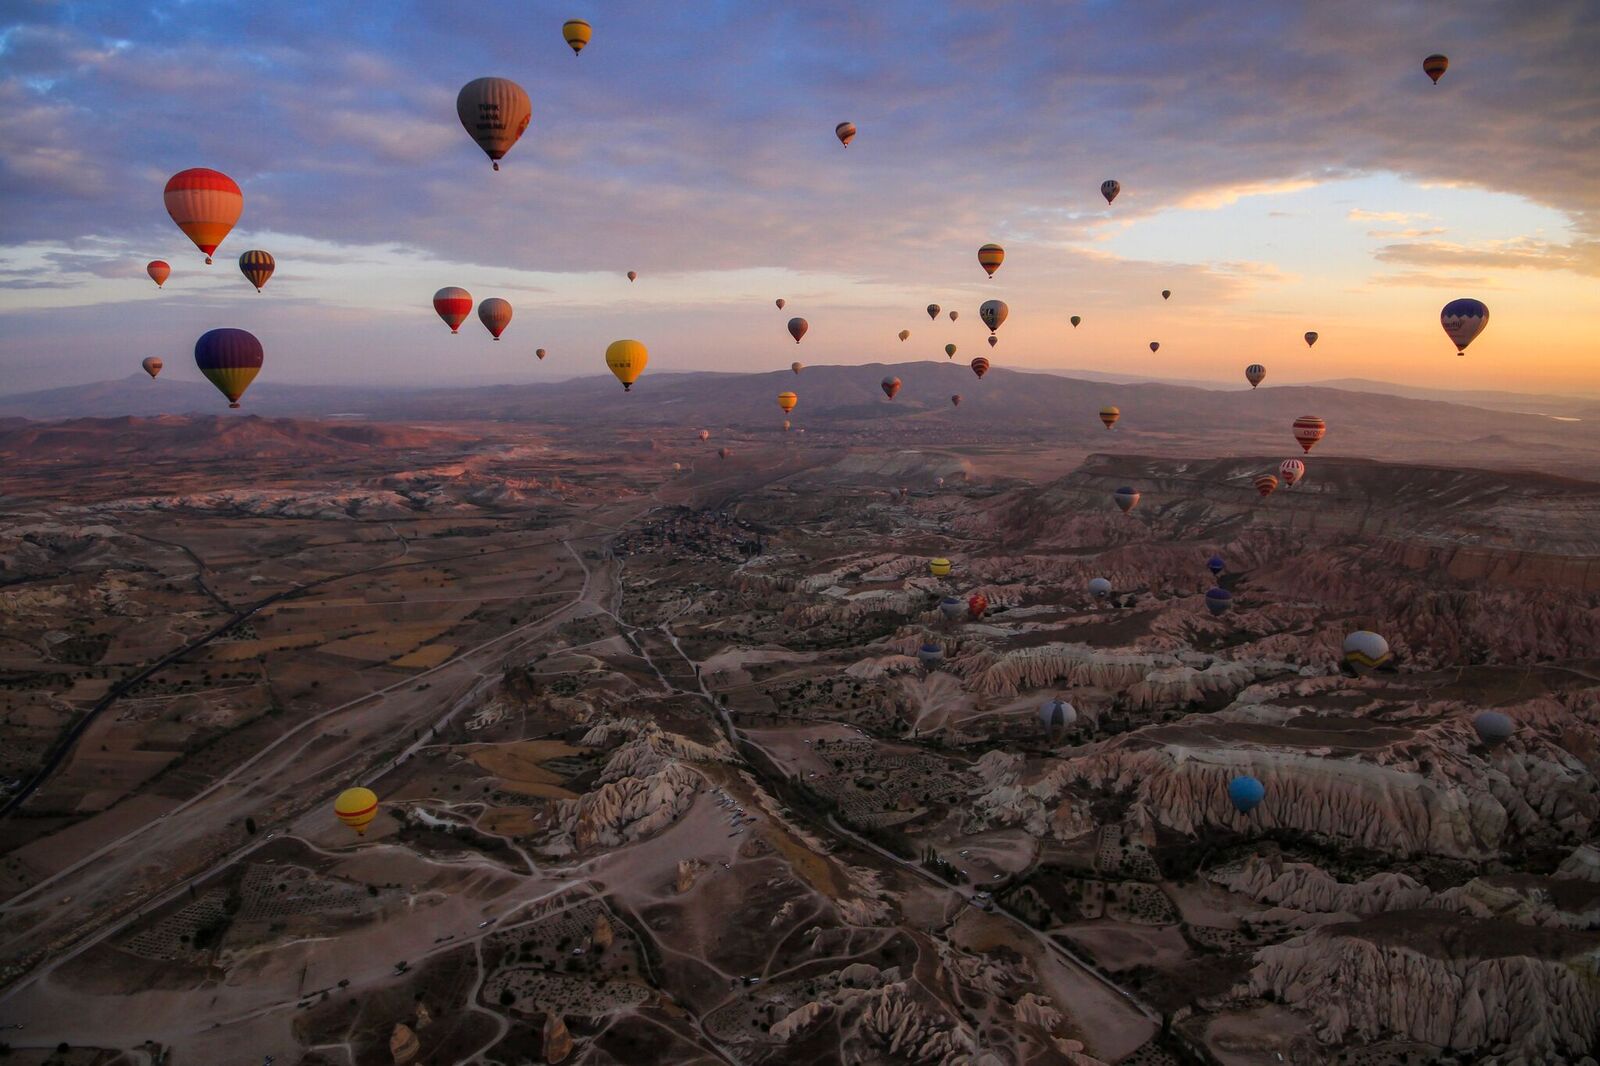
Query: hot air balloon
pixel 1463 320
pixel 1075 319
pixel 1435 65
pixel 1155 346
pixel 1127 498
pixel 1109 415
pixel 1057 713
pixel 980 366
pixel 704 435
pixel 230 359
pixel 846 132
pixel 904 334
pixel 890 386
pixel 205 204
pixel 1366 651
pixel 781 302
pixel 159 271
pixel 1493 727
pixel 993 313
pixel 949 351
pixel 1266 484
pixel 955 401
pixel 495 314
pixel 633 275
pixel 1291 470
pixel 356 808
pixel 990 256
pixel 787 400
pixel 786 425
pixel 938 482
pixel 723 453
pixel 1311 337
pixel 1245 792
pixel 453 305
pixel 1215 565
pixel 797 328
pixel 930 655
pixel 495 112
pixel 1308 429
pixel 1100 588
pixel 257 266
pixel 1218 600
pixel 993 340
pixel 933 311
pixel 939 567
pixel 954 315
pixel 1166 294
pixel 952 608
pixel 677 468
pixel 1109 189
pixel 152 365
pixel 977 604
pixel 1254 373
pixel 576 33
pixel 797 367
pixel 539 352
pixel 626 359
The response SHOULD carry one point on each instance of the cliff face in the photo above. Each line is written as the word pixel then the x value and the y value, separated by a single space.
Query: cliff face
pixel 1532 1001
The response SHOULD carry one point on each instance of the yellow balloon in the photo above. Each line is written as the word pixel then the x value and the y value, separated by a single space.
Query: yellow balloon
pixel 626 360
pixel 939 567
pixel 356 808
pixel 787 400
pixel 576 32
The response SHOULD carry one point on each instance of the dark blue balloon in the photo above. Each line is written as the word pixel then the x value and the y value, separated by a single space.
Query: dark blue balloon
pixel 1244 792
pixel 1215 565
pixel 1218 601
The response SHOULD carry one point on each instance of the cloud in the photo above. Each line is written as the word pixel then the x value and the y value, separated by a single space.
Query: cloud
pixel 1522 253
pixel 1228 195
pixel 1359 215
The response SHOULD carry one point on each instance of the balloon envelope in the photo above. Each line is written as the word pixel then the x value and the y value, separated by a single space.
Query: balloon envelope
pixel 1493 726
pixel 257 266
pixel 1291 470
pixel 1127 498
pixel 495 314
pixel 797 367
pixel 356 808
pixel 933 310
pixel 1109 415
pixel 626 359
pixel 1434 66
pixel 633 275
pixel 890 386
pixel 453 305
pixel 1166 294
pixel 953 315
pixel 1218 600
pixel 952 608
pixel 159 271
pixel 787 400
pixel 152 365
pixel 950 351
pixel 1215 564
pixel 576 33
pixel 1099 587
pixel 994 313
pixel 781 303
pixel 1109 189
pixel 846 132
pixel 230 359
pixel 495 112
pixel 1075 319
pixel 797 328
pixel 904 334
pixel 1057 713
pixel 1311 337
pixel 990 256
pixel 1155 346
pixel 540 352
pixel 1254 373
pixel 1245 792
pixel 955 401
pixel 1308 429
pixel 205 204
pixel 1463 320
pixel 930 654
pixel 1266 484
pixel 939 567
pixel 1365 651
pixel 980 366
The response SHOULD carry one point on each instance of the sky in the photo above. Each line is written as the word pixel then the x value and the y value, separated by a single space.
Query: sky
pixel 1285 167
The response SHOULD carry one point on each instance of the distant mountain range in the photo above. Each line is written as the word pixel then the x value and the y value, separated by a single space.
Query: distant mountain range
pixel 844 404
